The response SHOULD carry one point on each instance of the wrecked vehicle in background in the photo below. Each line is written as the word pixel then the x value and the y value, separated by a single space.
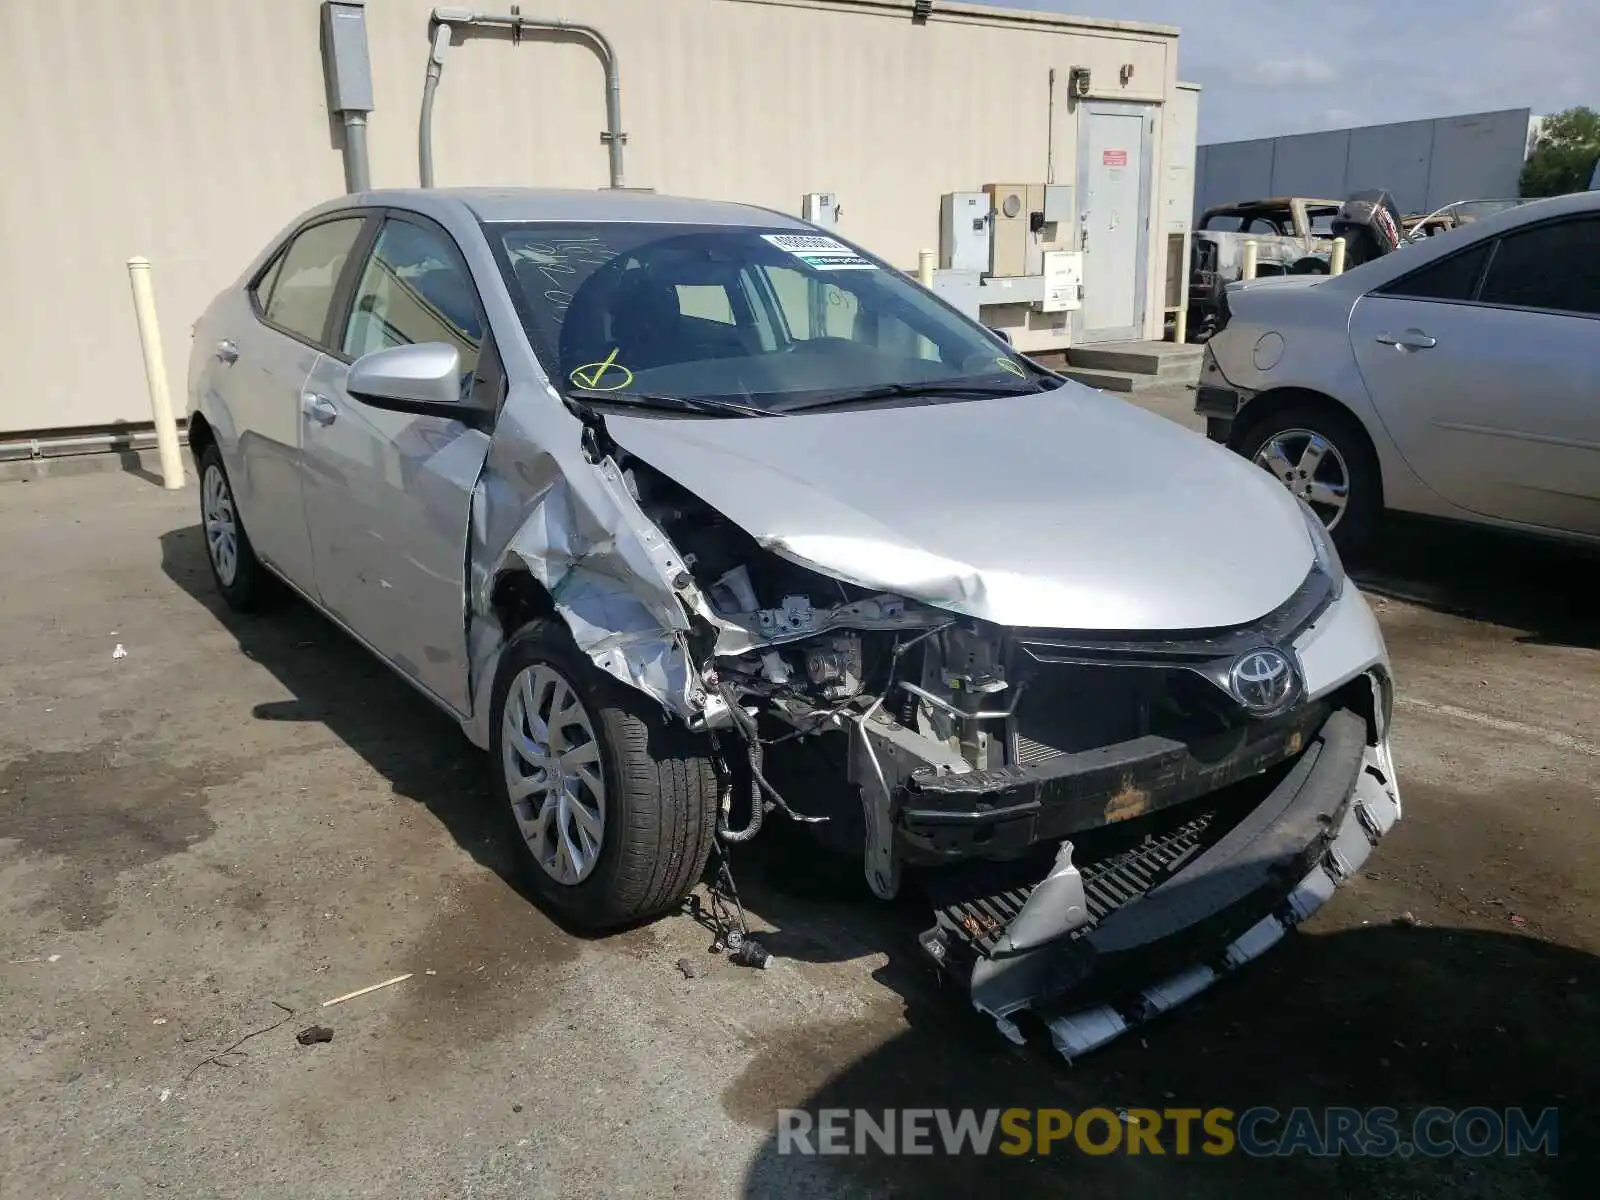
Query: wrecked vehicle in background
pixel 696 517
pixel 1292 237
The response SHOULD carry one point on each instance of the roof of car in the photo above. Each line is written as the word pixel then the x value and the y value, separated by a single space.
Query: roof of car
pixel 1273 202
pixel 573 204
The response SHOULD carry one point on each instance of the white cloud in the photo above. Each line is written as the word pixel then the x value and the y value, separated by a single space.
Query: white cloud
pixel 1300 68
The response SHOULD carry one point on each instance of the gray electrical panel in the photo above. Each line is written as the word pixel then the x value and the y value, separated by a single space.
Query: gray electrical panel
pixel 1057 204
pixel 964 231
pixel 344 44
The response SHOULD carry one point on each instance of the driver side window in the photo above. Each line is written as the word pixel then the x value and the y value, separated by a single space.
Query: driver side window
pixel 415 289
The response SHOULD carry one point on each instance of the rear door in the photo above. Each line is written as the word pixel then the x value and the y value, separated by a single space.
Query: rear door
pixel 1485 370
pixel 266 366
pixel 388 495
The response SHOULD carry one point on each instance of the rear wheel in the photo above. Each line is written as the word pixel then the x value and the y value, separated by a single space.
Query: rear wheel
pixel 1322 456
pixel 608 803
pixel 239 575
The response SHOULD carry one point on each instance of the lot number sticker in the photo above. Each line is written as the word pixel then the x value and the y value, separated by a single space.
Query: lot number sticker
pixel 818 252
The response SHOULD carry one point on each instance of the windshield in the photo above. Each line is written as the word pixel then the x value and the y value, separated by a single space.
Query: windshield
pixel 772 320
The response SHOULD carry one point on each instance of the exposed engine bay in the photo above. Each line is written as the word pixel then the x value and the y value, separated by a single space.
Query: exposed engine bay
pixel 1065 786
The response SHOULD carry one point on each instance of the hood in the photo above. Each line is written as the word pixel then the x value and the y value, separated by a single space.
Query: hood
pixel 1065 510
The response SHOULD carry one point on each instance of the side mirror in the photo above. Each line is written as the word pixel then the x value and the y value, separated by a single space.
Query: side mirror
pixel 1002 335
pixel 424 378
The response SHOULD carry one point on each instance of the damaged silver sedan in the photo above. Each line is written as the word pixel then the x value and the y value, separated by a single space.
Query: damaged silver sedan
pixel 696 517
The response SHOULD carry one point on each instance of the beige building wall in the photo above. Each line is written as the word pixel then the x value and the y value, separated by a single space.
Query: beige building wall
pixel 190 131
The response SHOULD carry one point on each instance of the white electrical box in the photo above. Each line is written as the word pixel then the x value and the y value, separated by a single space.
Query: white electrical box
pixel 1063 281
pixel 820 208
pixel 964 231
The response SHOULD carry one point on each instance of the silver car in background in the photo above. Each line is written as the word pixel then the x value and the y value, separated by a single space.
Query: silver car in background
pixel 695 516
pixel 1456 378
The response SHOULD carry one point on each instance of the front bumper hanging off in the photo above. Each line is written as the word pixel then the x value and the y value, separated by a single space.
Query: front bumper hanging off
pixel 1151 926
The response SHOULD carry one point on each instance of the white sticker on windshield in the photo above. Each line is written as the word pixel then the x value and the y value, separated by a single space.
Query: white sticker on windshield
pixel 820 253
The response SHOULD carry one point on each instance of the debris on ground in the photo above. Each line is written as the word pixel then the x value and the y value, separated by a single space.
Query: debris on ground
pixel 120 652
pixel 1518 921
pixel 363 991
pixel 313 1034
pixel 688 967
pixel 750 953
pixel 220 1055
pixel 166 1094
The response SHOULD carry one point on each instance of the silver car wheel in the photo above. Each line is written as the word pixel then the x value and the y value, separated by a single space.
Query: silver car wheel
pixel 222 525
pixel 1311 467
pixel 551 759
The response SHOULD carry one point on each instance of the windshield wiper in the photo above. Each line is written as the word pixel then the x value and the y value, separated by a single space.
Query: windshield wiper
pixel 934 387
pixel 705 405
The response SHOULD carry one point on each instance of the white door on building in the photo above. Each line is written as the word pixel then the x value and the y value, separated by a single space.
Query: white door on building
pixel 1114 143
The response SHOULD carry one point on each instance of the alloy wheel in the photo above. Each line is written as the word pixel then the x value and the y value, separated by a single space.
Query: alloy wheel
pixel 222 524
pixel 551 759
pixel 1312 468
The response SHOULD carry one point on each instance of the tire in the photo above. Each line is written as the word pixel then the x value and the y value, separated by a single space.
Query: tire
pixel 245 584
pixel 1347 459
pixel 658 801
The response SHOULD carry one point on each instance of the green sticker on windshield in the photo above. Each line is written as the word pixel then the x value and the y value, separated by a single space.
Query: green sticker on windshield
pixel 1011 366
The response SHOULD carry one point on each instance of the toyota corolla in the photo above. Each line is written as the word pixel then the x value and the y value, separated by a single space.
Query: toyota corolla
pixel 695 517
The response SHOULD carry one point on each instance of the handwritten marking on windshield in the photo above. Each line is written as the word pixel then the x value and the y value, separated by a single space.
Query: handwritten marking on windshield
pixel 558 260
pixel 1011 366
pixel 596 376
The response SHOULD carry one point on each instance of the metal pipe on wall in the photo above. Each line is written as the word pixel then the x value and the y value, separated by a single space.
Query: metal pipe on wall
pixel 357 176
pixel 445 20
pixel 430 85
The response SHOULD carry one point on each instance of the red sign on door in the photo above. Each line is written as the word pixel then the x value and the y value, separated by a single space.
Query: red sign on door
pixel 1114 158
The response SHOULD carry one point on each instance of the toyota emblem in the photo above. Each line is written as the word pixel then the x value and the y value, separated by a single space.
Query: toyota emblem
pixel 1263 680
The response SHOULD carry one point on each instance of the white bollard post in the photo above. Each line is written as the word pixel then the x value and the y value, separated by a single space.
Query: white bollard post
pixel 155 373
pixel 925 261
pixel 1336 259
pixel 1250 252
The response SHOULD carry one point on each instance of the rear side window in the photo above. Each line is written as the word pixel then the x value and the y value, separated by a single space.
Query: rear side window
pixel 263 288
pixel 1554 266
pixel 1453 278
pixel 305 283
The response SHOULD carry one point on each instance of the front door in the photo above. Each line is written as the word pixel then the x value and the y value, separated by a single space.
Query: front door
pixel 388 494
pixel 1483 368
pixel 1114 143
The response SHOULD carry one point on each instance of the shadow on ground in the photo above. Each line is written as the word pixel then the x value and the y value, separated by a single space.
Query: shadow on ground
pixel 1399 1016
pixel 335 682
pixel 1544 588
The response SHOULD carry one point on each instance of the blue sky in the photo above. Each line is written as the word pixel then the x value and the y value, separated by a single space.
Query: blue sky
pixel 1333 63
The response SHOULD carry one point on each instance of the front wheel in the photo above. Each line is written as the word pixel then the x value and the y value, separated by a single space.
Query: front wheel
pixel 1323 457
pixel 608 803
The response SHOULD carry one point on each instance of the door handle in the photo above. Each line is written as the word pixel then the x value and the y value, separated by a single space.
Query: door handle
pixel 1411 339
pixel 227 352
pixel 319 408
